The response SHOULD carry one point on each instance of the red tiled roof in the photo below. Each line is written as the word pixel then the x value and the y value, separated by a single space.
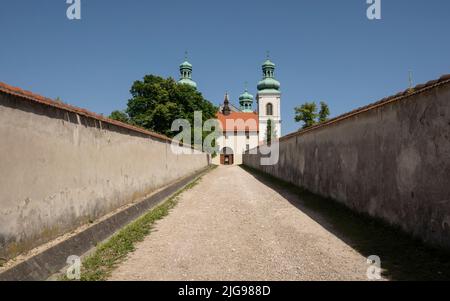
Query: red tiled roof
pixel 445 79
pixel 49 102
pixel 239 121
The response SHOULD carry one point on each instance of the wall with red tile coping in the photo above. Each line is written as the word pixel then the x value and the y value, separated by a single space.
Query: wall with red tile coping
pixel 62 167
pixel 390 160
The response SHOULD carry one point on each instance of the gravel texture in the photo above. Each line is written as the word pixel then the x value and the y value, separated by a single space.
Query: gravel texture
pixel 233 227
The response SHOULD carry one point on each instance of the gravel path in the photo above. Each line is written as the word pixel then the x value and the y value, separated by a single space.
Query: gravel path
pixel 233 227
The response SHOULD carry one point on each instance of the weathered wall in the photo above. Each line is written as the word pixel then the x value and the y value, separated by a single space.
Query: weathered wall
pixel 60 169
pixel 390 160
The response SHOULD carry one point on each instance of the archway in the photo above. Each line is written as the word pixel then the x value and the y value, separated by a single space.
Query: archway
pixel 269 109
pixel 227 156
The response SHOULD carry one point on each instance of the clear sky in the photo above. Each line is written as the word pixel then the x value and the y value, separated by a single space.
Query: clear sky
pixel 324 49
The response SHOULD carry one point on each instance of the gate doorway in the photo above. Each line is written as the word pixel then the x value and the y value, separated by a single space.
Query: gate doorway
pixel 227 156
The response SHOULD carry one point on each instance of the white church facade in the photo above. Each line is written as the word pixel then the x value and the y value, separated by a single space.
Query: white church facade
pixel 245 127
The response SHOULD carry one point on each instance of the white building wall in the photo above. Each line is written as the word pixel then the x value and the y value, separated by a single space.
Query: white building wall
pixel 238 143
pixel 263 100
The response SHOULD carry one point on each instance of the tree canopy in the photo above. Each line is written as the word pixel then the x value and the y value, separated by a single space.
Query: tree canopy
pixel 308 114
pixel 120 116
pixel 156 102
pixel 324 112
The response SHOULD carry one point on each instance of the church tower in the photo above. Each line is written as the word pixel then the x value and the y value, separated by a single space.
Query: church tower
pixel 246 102
pixel 226 106
pixel 269 101
pixel 186 73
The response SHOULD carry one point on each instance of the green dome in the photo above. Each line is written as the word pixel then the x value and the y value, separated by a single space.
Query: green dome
pixel 246 102
pixel 186 73
pixel 246 96
pixel 269 84
pixel 188 81
pixel 268 63
pixel 186 65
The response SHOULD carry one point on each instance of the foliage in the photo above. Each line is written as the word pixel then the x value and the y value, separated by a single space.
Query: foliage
pixel 307 113
pixel 120 116
pixel 156 102
pixel 324 112
pixel 270 132
pixel 100 265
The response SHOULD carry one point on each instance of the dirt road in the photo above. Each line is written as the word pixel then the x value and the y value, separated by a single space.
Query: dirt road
pixel 233 227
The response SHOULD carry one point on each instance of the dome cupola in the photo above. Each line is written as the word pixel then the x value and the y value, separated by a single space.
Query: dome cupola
pixel 246 102
pixel 186 73
pixel 268 84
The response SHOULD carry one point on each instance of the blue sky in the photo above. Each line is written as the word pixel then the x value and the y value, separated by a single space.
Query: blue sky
pixel 324 49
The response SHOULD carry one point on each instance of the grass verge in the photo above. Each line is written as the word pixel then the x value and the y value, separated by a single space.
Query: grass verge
pixel 99 265
pixel 403 256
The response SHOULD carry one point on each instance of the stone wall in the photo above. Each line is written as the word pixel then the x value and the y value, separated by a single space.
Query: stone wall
pixel 62 167
pixel 390 160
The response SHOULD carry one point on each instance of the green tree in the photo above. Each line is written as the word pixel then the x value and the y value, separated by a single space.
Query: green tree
pixel 156 102
pixel 120 116
pixel 307 113
pixel 270 132
pixel 324 112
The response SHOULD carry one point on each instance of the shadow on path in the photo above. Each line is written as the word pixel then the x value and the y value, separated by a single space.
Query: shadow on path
pixel 402 257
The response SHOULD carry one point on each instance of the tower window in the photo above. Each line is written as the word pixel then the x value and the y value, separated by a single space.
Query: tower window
pixel 269 109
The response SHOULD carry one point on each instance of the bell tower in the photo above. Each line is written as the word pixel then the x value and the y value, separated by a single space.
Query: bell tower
pixel 269 101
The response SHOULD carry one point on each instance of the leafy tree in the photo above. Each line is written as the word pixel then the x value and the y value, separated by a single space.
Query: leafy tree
pixel 324 112
pixel 307 113
pixel 120 116
pixel 270 132
pixel 156 102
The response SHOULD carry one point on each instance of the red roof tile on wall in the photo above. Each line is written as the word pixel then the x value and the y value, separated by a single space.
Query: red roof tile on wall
pixel 445 79
pixel 30 96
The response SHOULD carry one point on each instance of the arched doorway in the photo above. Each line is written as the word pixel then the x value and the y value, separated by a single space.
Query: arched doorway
pixel 227 156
